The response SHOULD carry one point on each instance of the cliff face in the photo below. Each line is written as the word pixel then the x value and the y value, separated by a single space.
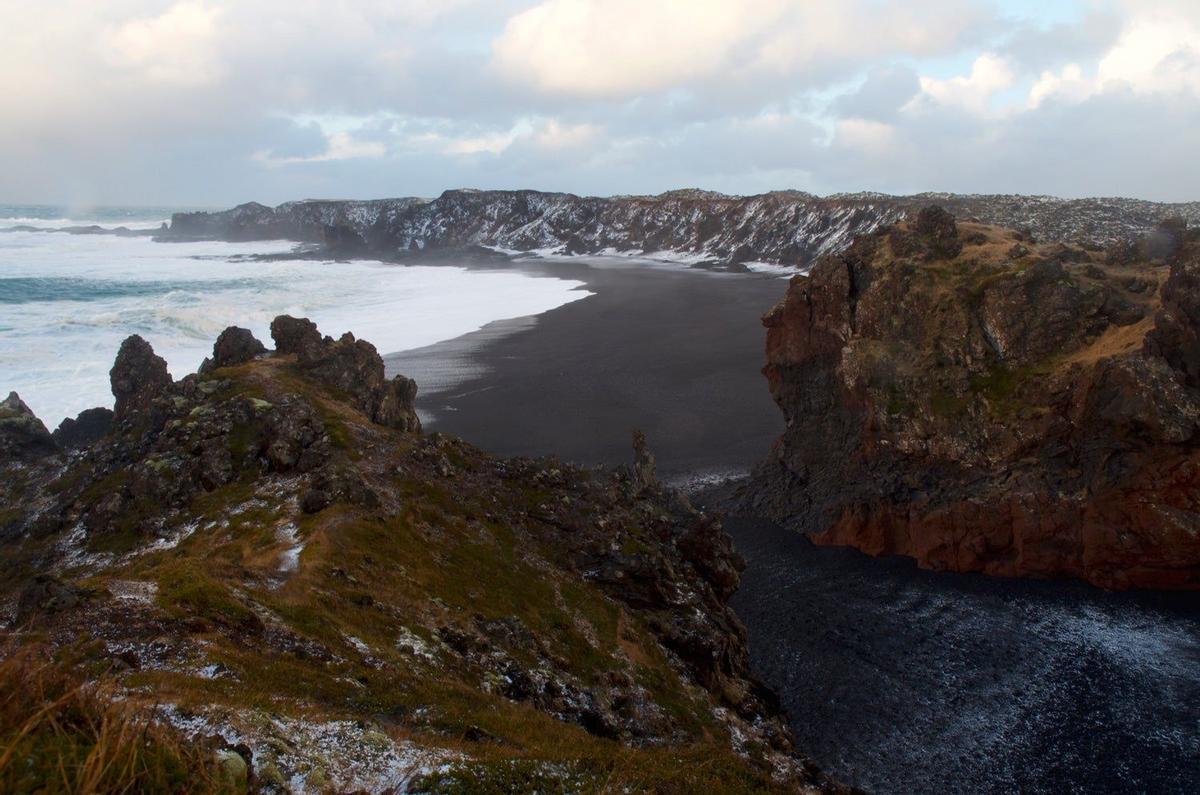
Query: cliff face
pixel 963 396
pixel 790 227
pixel 272 557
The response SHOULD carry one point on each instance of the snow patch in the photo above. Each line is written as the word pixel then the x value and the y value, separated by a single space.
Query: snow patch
pixel 318 756
pixel 773 269
pixel 138 592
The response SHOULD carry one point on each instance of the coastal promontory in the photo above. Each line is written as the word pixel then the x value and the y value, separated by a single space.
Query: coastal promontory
pixel 963 395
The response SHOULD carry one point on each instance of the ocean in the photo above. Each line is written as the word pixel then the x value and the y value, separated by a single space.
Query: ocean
pixel 68 300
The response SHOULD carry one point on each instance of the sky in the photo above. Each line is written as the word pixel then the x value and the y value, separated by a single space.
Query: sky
pixel 216 102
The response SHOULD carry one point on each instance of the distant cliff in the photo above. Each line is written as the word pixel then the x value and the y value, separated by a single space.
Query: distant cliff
pixel 787 227
pixel 963 396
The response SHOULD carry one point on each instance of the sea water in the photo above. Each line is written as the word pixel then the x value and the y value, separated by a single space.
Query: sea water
pixel 68 300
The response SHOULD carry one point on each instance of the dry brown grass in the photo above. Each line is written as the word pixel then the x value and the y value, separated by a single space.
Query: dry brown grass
pixel 61 733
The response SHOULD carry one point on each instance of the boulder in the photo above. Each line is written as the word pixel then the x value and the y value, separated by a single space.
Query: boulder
pixel 45 595
pixel 295 336
pixel 931 234
pixel 233 347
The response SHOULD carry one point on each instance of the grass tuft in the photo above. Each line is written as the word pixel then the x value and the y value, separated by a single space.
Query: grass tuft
pixel 60 734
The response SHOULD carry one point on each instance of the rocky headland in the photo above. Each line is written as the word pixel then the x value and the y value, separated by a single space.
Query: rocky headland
pixel 291 588
pixel 790 228
pixel 963 395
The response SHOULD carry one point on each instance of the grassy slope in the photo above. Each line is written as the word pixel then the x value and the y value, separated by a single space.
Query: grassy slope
pixel 445 553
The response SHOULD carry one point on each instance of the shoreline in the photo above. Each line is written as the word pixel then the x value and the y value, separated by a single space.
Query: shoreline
pixel 662 348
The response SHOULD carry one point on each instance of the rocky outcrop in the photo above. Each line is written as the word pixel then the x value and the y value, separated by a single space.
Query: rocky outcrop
pixel 138 378
pixel 23 437
pixel 83 430
pixel 233 347
pixel 353 366
pixel 784 227
pixel 645 474
pixel 960 395
pixel 270 525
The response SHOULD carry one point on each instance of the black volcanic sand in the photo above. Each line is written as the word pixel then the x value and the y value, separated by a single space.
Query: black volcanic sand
pixel 671 351
pixel 895 679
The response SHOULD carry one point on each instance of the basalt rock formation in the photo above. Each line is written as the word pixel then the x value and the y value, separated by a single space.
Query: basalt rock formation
pixel 353 366
pixel 23 437
pixel 84 430
pixel 234 346
pixel 138 377
pixel 271 557
pixel 962 395
pixel 785 227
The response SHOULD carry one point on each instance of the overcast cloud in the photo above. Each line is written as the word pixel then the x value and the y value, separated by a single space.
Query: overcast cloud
pixel 214 102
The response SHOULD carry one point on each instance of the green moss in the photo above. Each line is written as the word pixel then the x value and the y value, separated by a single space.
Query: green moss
pixel 1003 387
pixel 111 483
pixel 9 516
pixel 126 534
pixel 945 403
pixel 694 769
pixel 997 384
pixel 123 539
pixel 185 590
pixel 339 434
pixel 509 776
pixel 243 441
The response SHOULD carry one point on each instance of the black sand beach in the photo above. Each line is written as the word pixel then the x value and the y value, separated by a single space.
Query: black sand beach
pixel 895 679
pixel 671 351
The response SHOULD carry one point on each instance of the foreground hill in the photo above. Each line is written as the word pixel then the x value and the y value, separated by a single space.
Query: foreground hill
pixel 301 592
pixel 964 396
pixel 787 227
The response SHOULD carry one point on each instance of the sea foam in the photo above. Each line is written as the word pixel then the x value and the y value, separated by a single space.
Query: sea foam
pixel 67 301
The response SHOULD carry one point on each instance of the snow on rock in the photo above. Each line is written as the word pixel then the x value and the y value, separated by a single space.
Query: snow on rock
pixel 303 756
pixel 781 228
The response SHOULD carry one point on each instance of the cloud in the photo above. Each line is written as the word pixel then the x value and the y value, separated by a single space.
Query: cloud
pixel 1159 51
pixel 973 92
pixel 619 47
pixel 882 94
pixel 220 101
pixel 623 48
pixel 338 146
pixel 177 46
pixel 865 135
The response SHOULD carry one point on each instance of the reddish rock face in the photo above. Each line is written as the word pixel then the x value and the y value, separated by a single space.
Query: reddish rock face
pixel 980 405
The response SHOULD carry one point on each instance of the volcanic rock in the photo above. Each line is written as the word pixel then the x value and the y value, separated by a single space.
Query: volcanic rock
pixel 234 346
pixel 353 366
pixel 272 526
pixel 84 430
pixel 785 227
pixel 1030 417
pixel 23 437
pixel 138 377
